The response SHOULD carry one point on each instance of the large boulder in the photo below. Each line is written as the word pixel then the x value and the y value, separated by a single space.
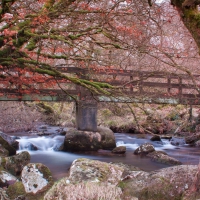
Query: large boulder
pixel 14 164
pixel 162 157
pixel 36 178
pixel 94 171
pixel 169 183
pixel 88 179
pixel 76 140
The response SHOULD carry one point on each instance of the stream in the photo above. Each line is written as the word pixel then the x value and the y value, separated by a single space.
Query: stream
pixel 59 162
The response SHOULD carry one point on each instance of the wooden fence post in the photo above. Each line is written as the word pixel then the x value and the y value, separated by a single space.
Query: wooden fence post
pixel 180 91
pixel 141 82
pixel 169 84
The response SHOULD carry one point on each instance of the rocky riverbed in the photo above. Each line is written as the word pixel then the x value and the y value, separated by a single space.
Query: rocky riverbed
pixel 94 180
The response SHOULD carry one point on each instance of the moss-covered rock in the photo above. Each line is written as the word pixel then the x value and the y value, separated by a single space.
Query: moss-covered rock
pixel 10 140
pixel 172 183
pixel 15 164
pixel 7 146
pixel 134 183
pixel 88 179
pixel 76 140
pixel 36 180
pixel 95 171
pixel 16 190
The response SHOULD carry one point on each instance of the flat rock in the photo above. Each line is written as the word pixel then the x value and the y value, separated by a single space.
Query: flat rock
pixel 162 157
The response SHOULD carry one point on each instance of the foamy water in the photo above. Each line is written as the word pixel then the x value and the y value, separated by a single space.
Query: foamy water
pixel 40 143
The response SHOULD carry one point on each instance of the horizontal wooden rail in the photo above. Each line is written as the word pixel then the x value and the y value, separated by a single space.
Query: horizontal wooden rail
pixel 130 86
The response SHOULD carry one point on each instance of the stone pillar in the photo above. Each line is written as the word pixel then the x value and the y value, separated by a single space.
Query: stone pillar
pixel 86 115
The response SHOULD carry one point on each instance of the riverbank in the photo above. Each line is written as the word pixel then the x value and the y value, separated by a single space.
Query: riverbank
pixel 123 118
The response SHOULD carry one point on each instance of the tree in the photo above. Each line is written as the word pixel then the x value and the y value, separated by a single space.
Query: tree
pixel 39 38
pixel 189 12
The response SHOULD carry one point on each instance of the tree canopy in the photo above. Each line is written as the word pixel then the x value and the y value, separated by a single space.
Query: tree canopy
pixel 38 38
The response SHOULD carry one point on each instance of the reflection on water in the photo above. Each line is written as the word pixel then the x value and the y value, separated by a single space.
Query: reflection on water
pixel 59 162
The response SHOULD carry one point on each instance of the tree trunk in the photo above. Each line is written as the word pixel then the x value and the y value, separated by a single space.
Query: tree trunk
pixel 188 10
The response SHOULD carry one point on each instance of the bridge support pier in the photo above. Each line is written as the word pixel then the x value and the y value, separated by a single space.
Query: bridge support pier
pixel 86 115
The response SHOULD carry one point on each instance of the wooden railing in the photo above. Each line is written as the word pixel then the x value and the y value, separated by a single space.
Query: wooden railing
pixel 131 86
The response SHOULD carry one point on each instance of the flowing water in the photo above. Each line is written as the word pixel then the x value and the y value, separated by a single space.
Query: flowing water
pixel 59 162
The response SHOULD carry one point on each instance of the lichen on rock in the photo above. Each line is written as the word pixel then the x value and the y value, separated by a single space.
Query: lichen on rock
pixel 144 149
pixel 36 178
pixel 92 170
